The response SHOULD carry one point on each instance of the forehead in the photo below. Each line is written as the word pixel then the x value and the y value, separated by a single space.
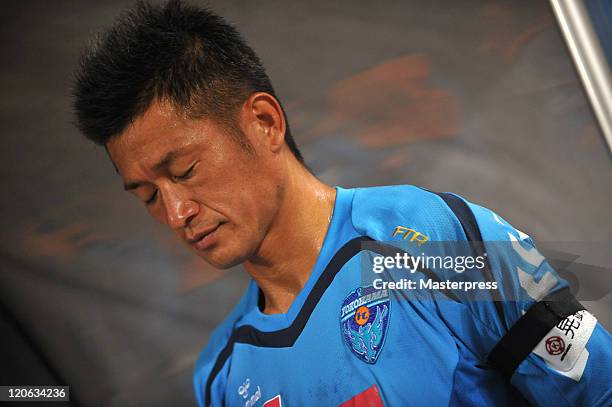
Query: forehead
pixel 159 128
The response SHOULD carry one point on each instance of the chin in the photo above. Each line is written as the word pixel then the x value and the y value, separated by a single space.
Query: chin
pixel 221 259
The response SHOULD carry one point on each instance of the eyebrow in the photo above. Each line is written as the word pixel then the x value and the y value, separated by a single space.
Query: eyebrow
pixel 165 162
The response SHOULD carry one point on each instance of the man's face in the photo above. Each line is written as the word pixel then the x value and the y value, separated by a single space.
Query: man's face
pixel 194 177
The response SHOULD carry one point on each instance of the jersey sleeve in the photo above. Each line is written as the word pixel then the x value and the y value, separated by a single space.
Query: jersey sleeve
pixel 572 364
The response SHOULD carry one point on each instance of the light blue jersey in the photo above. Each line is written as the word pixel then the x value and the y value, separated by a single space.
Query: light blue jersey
pixel 346 342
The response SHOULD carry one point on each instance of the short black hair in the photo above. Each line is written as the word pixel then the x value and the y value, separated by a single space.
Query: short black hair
pixel 176 52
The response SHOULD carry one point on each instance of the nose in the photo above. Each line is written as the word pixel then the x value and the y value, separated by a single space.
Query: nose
pixel 179 209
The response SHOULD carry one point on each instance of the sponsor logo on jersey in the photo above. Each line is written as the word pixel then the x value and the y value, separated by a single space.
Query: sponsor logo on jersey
pixel 411 234
pixel 364 320
pixel 367 398
pixel 274 402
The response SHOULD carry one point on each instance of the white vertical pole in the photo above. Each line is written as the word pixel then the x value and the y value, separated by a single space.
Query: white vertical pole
pixel 584 46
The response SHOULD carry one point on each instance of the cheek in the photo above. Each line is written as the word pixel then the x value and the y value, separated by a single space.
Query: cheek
pixel 252 215
pixel 254 208
pixel 241 188
pixel 241 195
pixel 157 212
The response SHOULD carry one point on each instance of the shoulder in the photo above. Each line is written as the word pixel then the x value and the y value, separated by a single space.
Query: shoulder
pixel 218 341
pixel 442 216
pixel 388 212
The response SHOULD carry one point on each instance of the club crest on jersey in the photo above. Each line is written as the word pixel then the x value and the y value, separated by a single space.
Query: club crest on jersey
pixel 364 320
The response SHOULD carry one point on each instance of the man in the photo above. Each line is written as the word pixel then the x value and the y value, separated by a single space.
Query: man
pixel 193 126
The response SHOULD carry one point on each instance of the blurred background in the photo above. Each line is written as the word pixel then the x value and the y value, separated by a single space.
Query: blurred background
pixel 476 97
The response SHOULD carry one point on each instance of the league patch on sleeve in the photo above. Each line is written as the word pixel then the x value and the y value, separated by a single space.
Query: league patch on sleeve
pixel 564 346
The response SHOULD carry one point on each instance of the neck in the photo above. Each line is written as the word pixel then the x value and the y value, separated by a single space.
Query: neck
pixel 288 253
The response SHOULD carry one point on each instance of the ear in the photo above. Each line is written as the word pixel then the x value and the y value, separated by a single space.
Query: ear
pixel 264 120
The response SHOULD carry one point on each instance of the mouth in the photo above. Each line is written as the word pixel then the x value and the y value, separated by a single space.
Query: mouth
pixel 204 239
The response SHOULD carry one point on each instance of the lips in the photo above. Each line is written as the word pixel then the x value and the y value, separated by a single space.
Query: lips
pixel 205 238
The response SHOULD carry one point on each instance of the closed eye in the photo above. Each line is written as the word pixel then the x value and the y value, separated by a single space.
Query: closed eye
pixel 152 198
pixel 186 175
